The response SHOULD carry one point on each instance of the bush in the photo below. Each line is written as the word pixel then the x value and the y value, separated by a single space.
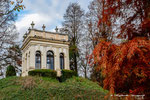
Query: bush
pixel 10 71
pixel 67 74
pixel 43 73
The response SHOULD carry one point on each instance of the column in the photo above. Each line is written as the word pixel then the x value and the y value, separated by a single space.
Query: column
pixel 32 57
pixel 56 58
pixel 27 64
pixel 67 65
pixel 23 64
pixel 57 62
pixel 29 61
pixel 43 63
pixel 25 67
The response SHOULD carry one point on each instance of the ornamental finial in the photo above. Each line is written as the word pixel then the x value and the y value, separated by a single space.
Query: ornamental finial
pixel 32 24
pixel 56 29
pixel 43 27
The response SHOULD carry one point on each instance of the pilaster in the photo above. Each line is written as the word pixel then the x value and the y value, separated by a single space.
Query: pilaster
pixel 43 58
pixel 57 62
pixel 32 57
pixel 67 59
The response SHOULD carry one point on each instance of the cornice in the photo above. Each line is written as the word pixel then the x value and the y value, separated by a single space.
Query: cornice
pixel 36 38
pixel 49 32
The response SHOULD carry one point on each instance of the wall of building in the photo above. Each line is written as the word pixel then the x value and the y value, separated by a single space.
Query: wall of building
pixel 29 50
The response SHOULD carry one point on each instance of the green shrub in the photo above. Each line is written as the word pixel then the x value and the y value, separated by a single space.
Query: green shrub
pixel 67 74
pixel 43 73
pixel 10 71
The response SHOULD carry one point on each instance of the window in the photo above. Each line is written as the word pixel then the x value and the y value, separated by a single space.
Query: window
pixel 38 60
pixel 50 60
pixel 61 61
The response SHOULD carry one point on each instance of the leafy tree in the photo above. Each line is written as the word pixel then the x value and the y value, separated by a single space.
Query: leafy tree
pixel 131 17
pixel 73 24
pixel 127 63
pixel 14 57
pixel 8 32
pixel 126 66
pixel 10 71
pixel 96 33
pixel 84 51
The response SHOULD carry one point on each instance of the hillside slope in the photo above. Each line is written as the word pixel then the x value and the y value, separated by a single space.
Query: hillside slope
pixel 38 88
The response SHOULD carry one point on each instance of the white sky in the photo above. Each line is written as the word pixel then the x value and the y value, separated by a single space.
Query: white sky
pixel 48 12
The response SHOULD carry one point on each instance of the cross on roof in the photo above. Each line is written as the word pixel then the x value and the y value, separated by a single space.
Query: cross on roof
pixel 56 29
pixel 43 27
pixel 32 24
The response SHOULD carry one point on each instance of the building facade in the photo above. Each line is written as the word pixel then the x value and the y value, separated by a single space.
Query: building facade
pixel 44 50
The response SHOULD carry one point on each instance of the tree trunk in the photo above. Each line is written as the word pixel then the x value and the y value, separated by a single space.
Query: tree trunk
pixel 75 62
pixel 85 73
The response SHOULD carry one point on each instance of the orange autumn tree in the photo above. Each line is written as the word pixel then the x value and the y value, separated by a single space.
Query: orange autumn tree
pixel 126 66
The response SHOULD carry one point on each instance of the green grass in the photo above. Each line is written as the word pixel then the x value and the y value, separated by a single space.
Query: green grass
pixel 39 88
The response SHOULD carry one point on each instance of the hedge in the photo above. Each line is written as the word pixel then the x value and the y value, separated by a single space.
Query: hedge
pixel 43 73
pixel 67 74
pixel 10 71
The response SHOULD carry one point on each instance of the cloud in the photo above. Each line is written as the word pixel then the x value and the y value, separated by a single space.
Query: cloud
pixel 24 23
pixel 48 12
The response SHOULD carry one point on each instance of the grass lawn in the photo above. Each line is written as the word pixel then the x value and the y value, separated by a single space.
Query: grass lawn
pixel 39 88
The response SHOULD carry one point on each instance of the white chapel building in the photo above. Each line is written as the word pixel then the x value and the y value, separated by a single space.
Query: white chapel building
pixel 44 50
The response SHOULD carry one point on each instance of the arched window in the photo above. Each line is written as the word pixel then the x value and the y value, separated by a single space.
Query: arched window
pixel 38 60
pixel 61 61
pixel 50 60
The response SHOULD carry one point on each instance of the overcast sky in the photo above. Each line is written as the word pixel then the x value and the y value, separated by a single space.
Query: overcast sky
pixel 48 12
